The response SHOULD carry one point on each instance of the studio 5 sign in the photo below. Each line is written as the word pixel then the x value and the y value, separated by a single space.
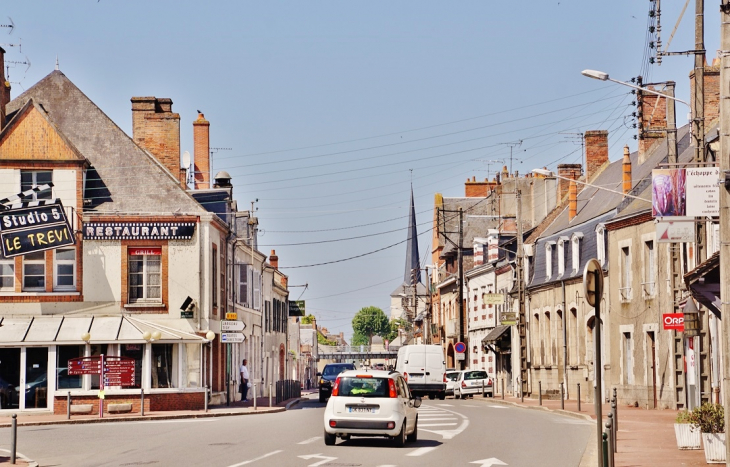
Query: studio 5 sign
pixel 673 321
pixel 36 228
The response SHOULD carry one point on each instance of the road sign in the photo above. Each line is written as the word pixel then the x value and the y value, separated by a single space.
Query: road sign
pixel 230 325
pixel 84 366
pixel 232 316
pixel 459 347
pixel 460 356
pixel 232 337
pixel 593 282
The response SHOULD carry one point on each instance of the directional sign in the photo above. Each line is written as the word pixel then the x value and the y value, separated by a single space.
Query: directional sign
pixel 232 325
pixel 232 337
pixel 84 366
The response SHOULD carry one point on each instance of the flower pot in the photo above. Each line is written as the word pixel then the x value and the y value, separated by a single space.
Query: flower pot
pixel 714 447
pixel 687 437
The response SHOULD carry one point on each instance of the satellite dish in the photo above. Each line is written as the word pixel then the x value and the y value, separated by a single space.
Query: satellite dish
pixel 186 160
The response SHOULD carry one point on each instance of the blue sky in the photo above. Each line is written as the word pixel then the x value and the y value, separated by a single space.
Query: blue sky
pixel 332 108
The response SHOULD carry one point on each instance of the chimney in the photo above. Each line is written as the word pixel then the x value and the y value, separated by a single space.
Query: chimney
pixel 4 90
pixel 712 92
pixel 479 189
pixel 571 171
pixel 274 260
pixel 596 151
pixel 627 170
pixel 652 119
pixel 201 152
pixel 572 200
pixel 157 129
pixel 183 178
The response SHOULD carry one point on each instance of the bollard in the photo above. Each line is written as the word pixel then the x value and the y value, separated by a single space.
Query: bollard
pixel 609 429
pixel 610 424
pixel 539 391
pixel 269 395
pixel 578 397
pixel 615 428
pixel 615 412
pixel 206 399
pixel 605 449
pixel 254 396
pixel 13 438
pixel 562 397
pixel 522 393
pixel 142 404
pixel 68 406
pixel 483 393
pixel 502 388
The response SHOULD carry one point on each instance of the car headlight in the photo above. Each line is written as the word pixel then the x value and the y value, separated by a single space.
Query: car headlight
pixel 321 382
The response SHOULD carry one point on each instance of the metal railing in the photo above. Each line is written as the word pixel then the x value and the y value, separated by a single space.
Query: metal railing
pixel 287 389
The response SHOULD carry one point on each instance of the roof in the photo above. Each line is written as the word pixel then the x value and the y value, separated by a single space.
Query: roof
pixel 125 178
pixel 495 334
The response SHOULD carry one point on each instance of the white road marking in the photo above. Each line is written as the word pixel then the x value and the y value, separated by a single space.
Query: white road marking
pixel 449 434
pixel 488 462
pixel 436 424
pixel 187 420
pixel 257 459
pixel 446 405
pixel 310 440
pixel 499 406
pixel 422 451
pixel 429 419
pixel 317 456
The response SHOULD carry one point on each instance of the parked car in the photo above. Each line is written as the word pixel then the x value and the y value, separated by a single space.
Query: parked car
pixel 379 366
pixel 328 376
pixel 424 369
pixel 371 403
pixel 470 382
pixel 451 377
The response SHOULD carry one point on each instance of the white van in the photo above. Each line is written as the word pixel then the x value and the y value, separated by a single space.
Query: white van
pixel 424 369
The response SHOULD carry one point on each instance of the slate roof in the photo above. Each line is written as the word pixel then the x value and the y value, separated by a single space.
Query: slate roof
pixel 124 177
pixel 473 226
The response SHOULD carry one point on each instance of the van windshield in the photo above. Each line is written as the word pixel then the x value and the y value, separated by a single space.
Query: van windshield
pixel 334 370
pixel 364 387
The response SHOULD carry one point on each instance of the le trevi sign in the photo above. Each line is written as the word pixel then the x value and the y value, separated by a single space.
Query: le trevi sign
pixel 34 228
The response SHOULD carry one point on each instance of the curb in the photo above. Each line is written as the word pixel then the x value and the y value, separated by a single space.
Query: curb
pixel 292 403
pixel 18 456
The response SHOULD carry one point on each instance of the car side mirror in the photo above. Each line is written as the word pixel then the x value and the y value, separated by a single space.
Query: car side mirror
pixel 417 401
pixel 319 374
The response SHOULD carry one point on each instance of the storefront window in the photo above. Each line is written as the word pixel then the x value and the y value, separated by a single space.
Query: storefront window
pixel 64 353
pixel 36 377
pixel 9 378
pixel 135 351
pixel 162 367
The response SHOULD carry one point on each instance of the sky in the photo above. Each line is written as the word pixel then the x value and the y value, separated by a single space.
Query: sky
pixel 325 113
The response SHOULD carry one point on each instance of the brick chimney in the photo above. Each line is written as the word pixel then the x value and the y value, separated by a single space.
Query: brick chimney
pixel 479 189
pixel 157 129
pixel 4 90
pixel 571 171
pixel 712 92
pixel 627 171
pixel 572 200
pixel 201 152
pixel 274 260
pixel 596 152
pixel 652 121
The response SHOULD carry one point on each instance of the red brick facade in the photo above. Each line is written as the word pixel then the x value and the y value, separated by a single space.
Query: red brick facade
pixel 596 152
pixel 157 129
pixel 712 92
pixel 152 402
pixel 201 152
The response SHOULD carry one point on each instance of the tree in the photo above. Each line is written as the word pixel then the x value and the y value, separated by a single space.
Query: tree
pixel 398 323
pixel 371 321
pixel 359 339
pixel 309 319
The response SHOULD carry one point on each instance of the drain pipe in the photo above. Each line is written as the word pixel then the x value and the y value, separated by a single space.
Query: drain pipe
pixel 565 345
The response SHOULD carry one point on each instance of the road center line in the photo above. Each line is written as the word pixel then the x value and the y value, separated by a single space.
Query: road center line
pixel 310 440
pixel 425 419
pixel 436 424
pixel 257 459
pixel 422 451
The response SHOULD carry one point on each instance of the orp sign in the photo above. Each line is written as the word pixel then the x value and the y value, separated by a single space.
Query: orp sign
pixel 673 321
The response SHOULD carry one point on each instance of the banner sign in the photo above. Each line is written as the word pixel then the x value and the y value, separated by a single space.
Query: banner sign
pixel 673 321
pixel 30 229
pixel 297 308
pixel 692 192
pixel 493 299
pixel 508 318
pixel 139 230
pixel 153 251
pixel 678 230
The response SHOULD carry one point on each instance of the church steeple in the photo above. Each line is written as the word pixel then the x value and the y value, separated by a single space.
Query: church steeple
pixel 412 256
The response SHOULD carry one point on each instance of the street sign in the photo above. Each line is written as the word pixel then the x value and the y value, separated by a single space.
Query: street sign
pixel 492 299
pixel 229 325
pixel 673 321
pixel 232 316
pixel 593 282
pixel 84 366
pixel 460 356
pixel 232 337
pixel 187 314
pixel 508 318
pixel 297 308
pixel 459 347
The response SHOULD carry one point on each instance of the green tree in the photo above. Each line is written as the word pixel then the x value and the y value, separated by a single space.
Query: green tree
pixel 370 321
pixel 309 319
pixel 359 339
pixel 398 323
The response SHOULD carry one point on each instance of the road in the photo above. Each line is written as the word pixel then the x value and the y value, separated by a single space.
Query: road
pixel 451 432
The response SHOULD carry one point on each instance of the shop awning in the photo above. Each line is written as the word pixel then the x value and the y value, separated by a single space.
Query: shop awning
pixel 704 283
pixel 495 334
pixel 54 330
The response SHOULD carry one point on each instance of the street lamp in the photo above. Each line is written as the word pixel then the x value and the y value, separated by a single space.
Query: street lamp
pixel 602 76
pixel 548 173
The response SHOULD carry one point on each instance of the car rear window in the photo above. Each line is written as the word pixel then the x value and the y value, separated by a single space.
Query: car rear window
pixel 334 370
pixel 452 376
pixel 475 375
pixel 364 387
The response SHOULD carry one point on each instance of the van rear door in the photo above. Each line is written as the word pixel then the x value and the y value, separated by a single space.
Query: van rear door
pixel 435 368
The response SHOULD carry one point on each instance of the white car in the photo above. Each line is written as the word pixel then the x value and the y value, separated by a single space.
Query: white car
pixel 472 382
pixel 371 403
pixel 451 378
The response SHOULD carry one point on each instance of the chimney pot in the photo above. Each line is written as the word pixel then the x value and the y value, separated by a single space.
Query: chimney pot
pixel 572 200
pixel 627 171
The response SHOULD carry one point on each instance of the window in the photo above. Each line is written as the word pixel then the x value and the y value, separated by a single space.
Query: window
pixel 243 282
pixel 135 351
pixel 561 255
pixel 628 359
pixel 601 243
pixel 649 268
pixel 214 281
pixel 145 278
pixel 222 282
pixel 65 269
pixel 7 274
pixel 162 366
pixel 33 178
pixel 256 290
pixel 625 274
pixel 575 244
pixel 549 259
pixel 34 271
pixel 64 353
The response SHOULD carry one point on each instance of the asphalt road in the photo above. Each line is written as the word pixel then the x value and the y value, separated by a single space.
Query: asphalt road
pixel 451 432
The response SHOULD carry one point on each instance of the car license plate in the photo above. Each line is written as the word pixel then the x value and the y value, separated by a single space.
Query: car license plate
pixel 361 409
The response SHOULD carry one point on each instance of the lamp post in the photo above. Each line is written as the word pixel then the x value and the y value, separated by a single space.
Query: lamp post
pixel 548 173
pixel 602 76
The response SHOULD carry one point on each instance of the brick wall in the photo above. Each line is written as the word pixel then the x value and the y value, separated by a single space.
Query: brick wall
pixel 652 121
pixel 596 151
pixel 152 402
pixel 479 189
pixel 157 129
pixel 201 152
pixel 572 171
pixel 712 92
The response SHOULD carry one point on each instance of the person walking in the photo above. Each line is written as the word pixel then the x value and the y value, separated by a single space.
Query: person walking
pixel 244 381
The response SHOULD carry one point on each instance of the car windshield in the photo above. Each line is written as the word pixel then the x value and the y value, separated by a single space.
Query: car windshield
pixel 475 375
pixel 334 370
pixel 364 387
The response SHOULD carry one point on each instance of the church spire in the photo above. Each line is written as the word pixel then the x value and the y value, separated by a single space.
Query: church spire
pixel 412 256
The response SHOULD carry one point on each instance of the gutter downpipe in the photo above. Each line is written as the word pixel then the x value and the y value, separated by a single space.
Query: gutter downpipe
pixel 565 345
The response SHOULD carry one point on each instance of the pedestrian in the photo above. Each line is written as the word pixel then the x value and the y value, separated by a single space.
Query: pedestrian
pixel 244 381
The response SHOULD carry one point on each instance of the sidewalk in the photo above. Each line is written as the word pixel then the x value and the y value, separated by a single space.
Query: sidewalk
pixel 645 437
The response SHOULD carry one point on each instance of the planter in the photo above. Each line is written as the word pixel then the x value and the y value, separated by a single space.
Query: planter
pixel 687 437
pixel 714 447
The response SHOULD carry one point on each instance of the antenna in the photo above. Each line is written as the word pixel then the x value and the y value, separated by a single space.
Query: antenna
pixel 514 144
pixel 489 163
pixel 18 45
pixel 17 62
pixel 10 26
pixel 576 138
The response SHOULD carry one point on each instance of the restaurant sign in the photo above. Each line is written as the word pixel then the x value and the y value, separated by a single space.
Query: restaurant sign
pixel 139 230
pixel 37 228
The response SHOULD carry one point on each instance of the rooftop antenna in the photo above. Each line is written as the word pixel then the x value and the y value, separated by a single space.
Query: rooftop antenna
pixel 513 144
pixel 19 45
pixel 489 163
pixel 213 151
pixel 10 26
pixel 20 62
pixel 576 138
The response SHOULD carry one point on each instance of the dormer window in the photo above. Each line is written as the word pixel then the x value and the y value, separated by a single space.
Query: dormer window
pixel 561 254
pixel 549 259
pixel 575 250
pixel 529 260
pixel 601 243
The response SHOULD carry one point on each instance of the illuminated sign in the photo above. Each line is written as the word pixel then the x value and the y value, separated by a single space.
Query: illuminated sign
pixel 139 230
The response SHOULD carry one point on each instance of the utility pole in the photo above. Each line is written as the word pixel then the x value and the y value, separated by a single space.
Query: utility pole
pixel 522 321
pixel 725 204
pixel 698 122
pixel 460 285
